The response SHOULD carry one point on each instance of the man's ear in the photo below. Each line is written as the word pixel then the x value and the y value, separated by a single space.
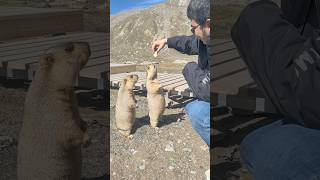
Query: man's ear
pixel 208 21
pixel 47 60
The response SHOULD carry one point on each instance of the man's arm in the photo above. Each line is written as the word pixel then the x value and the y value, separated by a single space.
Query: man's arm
pixel 184 44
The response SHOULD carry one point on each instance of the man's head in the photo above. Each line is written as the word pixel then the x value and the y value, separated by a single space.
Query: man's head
pixel 199 13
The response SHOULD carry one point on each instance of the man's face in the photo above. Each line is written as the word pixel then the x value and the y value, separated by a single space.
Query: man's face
pixel 201 32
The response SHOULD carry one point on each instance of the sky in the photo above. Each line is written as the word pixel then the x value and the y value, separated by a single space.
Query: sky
pixel 117 6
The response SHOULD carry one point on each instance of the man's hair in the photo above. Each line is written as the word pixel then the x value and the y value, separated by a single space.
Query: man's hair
pixel 199 10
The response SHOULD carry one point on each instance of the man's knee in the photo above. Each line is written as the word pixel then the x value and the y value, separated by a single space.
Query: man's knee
pixel 246 150
pixel 189 67
pixel 199 113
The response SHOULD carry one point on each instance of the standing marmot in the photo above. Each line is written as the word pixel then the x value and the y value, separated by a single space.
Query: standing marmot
pixel 126 105
pixel 156 100
pixel 49 146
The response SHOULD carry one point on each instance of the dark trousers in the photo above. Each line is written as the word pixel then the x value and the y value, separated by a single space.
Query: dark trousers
pixel 282 150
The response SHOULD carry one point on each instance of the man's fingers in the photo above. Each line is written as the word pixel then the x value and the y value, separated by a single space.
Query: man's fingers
pixel 155 46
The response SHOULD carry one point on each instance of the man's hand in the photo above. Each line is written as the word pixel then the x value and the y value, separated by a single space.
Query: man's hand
pixel 158 45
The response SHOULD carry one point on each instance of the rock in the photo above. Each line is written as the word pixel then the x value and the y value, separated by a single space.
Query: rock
pixel 179 120
pixel 204 147
pixel 132 151
pixel 180 62
pixel 143 166
pixel 179 141
pixel 170 167
pixel 187 149
pixel 193 172
pixel 169 147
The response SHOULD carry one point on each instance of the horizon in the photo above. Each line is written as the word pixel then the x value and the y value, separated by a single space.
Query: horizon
pixel 117 7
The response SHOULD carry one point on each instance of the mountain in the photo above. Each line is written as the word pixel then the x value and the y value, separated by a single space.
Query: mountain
pixel 132 32
pixel 237 2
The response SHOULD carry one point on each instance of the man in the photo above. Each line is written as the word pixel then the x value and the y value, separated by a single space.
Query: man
pixel 281 48
pixel 197 75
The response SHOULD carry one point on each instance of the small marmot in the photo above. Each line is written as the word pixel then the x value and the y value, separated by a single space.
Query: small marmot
pixel 126 106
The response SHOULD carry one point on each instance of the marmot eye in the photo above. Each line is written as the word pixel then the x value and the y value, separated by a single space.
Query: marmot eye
pixel 69 47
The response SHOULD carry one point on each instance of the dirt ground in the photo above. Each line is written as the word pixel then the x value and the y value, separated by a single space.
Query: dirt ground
pixel 231 127
pixel 174 151
pixel 93 110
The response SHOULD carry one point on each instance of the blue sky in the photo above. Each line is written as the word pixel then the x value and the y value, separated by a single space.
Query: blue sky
pixel 117 6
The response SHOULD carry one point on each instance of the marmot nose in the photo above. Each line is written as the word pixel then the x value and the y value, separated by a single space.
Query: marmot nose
pixel 86 45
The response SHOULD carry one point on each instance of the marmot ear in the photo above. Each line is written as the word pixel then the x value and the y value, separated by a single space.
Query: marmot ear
pixel 124 81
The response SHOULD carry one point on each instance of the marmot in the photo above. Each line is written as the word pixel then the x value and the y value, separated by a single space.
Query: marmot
pixel 126 106
pixel 49 145
pixel 156 100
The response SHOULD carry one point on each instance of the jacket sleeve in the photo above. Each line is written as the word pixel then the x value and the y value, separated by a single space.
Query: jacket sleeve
pixel 184 44
pixel 284 64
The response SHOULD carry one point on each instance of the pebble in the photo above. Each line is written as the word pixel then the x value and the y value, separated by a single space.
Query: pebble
pixel 171 167
pixel 132 151
pixel 169 147
pixel 208 174
pixel 193 172
pixel 204 147
pixel 179 141
pixel 143 166
pixel 187 149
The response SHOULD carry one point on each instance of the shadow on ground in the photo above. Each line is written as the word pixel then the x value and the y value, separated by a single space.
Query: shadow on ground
pixel 233 128
pixel 166 120
pixel 97 99
pixel 104 177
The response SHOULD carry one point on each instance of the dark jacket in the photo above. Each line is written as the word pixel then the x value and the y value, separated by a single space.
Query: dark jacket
pixel 196 75
pixel 284 63
pixel 191 45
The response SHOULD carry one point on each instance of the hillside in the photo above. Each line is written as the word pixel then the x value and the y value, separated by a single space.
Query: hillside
pixel 132 32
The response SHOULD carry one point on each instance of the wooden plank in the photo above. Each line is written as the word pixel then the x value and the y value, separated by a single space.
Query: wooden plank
pixel 6 11
pixel 232 83
pixel 40 40
pixel 26 66
pixel 217 42
pixel 38 51
pixel 223 48
pixel 121 68
pixel 225 57
pixel 27 22
pixel 226 69
pixel 168 82
pixel 92 77
pixel 46 42
pixel 17 65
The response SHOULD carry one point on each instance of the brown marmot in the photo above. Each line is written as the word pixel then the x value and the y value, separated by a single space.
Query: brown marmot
pixel 126 106
pixel 49 145
pixel 156 100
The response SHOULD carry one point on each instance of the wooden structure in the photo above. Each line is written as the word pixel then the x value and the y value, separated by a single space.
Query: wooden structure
pixel 173 84
pixel 17 22
pixel 122 68
pixel 232 84
pixel 19 59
